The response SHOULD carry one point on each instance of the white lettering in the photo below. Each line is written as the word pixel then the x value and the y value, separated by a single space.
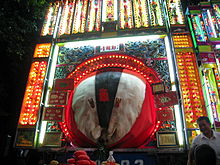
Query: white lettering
pixel 125 162
pixel 139 162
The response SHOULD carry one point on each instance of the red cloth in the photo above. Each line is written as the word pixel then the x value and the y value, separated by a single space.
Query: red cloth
pixel 138 135
pixel 144 125
pixel 75 135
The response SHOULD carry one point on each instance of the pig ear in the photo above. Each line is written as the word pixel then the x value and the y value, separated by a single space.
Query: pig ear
pixel 91 103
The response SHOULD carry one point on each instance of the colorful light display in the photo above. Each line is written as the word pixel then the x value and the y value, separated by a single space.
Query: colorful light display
pixel 119 61
pixel 216 18
pixel 31 102
pixel 94 16
pixel 190 86
pixel 141 13
pixel 67 18
pixel 150 56
pixel 198 26
pixel 32 97
pixel 192 95
pixel 217 76
pixel 208 23
pixel 50 19
pixel 212 91
pixel 205 22
pixel 175 12
pixel 114 61
pixel 126 18
pixel 109 13
pixel 79 22
pixel 42 50
pixel 80 16
pixel 156 15
pixel 182 41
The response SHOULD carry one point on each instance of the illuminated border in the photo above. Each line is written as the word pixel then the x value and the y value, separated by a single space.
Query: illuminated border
pixel 111 60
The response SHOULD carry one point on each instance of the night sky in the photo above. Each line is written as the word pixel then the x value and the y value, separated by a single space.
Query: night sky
pixel 18 40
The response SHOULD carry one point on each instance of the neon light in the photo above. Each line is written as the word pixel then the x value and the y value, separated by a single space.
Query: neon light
pixel 45 29
pixel 42 50
pixel 42 131
pixel 207 99
pixel 192 32
pixel 198 26
pixel 115 10
pixel 80 16
pixel 52 72
pixel 111 41
pixel 170 63
pixel 57 22
pixel 179 125
pixel 207 21
pixel 213 98
pixel 109 11
pixel 181 41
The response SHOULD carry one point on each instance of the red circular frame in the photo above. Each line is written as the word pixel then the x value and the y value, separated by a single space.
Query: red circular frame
pixel 102 61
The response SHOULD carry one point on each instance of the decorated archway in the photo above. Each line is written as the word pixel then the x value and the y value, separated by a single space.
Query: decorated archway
pixel 133 73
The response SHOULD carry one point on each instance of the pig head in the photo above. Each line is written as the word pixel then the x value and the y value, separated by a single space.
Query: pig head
pixel 106 105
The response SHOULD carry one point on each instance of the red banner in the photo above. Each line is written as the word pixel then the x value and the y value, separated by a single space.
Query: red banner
pixel 53 114
pixel 63 84
pixel 57 98
pixel 165 99
pixel 165 115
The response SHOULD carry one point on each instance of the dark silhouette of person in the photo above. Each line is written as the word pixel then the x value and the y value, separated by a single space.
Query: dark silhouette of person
pixel 204 155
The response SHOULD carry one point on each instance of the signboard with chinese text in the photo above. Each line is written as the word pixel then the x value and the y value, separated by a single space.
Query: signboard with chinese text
pixel 165 99
pixel 57 98
pixel 165 115
pixel 63 84
pixel 53 114
pixel 109 48
pixel 167 139
pixel 25 138
pixel 52 139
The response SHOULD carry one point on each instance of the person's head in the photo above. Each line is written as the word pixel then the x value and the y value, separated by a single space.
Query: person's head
pixel 204 155
pixel 204 124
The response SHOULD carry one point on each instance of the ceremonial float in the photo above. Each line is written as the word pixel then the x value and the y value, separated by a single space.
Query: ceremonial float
pixel 124 75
